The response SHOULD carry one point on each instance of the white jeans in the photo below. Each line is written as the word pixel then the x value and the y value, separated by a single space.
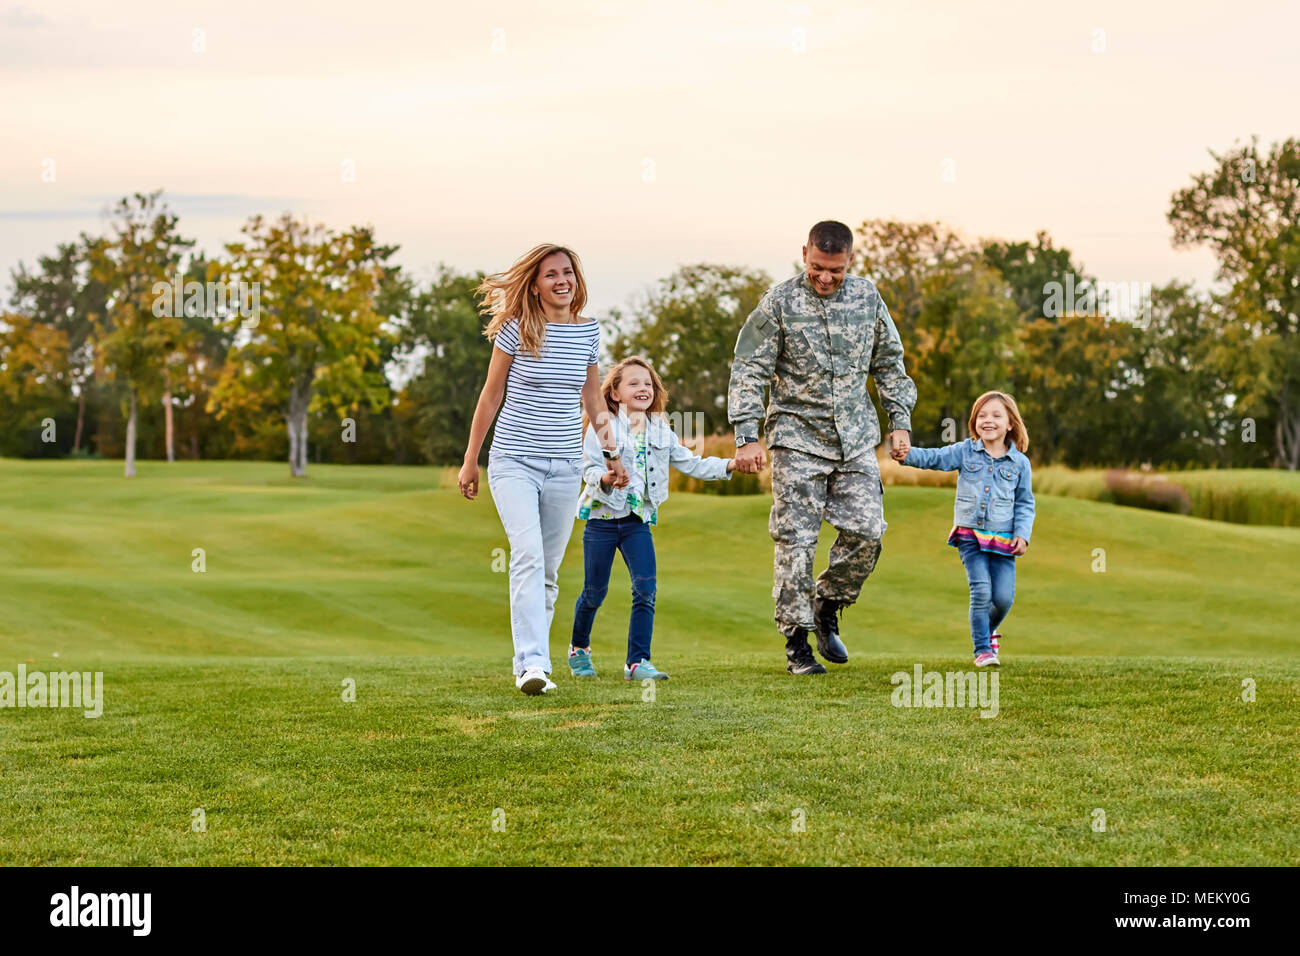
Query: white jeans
pixel 535 498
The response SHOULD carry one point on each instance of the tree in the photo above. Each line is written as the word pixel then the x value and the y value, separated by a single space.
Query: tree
pixel 1079 376
pixel 955 316
pixel 687 327
pixel 34 377
pixel 317 339
pixel 1183 406
pixel 194 370
pixel 136 340
pixel 897 256
pixel 1030 268
pixel 442 331
pixel 1247 210
pixel 64 294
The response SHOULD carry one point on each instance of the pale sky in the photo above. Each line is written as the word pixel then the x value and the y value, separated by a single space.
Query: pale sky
pixel 646 135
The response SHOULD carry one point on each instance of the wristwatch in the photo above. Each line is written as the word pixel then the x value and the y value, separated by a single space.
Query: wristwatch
pixel 610 455
pixel 743 440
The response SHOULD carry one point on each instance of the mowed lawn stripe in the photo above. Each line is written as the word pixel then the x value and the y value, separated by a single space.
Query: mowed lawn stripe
pixel 715 769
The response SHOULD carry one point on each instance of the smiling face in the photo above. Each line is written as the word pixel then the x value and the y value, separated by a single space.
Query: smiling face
pixel 635 390
pixel 825 271
pixel 992 422
pixel 555 282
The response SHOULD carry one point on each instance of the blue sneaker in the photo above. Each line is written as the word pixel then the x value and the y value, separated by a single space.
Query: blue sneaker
pixel 643 671
pixel 580 662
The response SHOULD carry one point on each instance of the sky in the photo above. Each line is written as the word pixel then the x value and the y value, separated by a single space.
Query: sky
pixel 646 135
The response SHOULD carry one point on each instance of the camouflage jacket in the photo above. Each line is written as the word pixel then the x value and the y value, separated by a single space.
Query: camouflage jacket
pixel 816 354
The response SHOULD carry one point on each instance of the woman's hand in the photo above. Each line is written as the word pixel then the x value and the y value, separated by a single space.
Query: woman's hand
pixel 467 480
pixel 489 401
pixel 1019 545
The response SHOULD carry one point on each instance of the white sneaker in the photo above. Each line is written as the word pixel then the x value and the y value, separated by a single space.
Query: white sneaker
pixel 534 681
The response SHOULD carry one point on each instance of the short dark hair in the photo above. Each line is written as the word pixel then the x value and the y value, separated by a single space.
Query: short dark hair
pixel 831 237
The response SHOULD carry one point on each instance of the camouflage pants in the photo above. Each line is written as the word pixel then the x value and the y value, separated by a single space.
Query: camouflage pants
pixel 805 489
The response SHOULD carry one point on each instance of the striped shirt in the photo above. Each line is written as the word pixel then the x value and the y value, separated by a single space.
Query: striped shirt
pixel 542 414
pixel 994 542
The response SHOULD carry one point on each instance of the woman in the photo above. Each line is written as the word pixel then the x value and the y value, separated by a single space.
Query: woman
pixel 544 364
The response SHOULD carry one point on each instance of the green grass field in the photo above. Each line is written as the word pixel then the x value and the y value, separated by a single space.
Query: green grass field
pixel 1121 689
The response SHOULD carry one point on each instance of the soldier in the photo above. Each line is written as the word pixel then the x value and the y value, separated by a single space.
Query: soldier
pixel 814 339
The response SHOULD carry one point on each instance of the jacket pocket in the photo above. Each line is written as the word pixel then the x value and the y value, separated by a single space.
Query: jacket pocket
pixel 814 340
pixel 1000 510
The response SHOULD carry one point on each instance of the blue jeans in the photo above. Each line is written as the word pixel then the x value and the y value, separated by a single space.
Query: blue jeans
pixel 535 498
pixel 602 538
pixel 992 580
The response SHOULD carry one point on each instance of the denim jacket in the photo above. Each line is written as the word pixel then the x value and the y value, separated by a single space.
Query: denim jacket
pixel 662 449
pixel 993 494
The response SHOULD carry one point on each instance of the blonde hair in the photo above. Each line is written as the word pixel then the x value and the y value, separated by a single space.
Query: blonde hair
pixel 1017 434
pixel 614 377
pixel 508 295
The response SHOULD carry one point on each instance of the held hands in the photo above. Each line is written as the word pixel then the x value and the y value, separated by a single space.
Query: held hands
pixel 467 480
pixel 900 443
pixel 1019 545
pixel 615 474
pixel 750 459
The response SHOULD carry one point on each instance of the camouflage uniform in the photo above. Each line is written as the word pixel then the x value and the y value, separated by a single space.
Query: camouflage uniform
pixel 816 354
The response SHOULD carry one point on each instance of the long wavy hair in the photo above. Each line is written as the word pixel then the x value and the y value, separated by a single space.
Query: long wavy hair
pixel 508 295
pixel 614 378
pixel 1017 433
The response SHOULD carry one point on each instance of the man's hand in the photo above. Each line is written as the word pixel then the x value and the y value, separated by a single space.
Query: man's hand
pixel 1019 545
pixel 750 458
pixel 900 443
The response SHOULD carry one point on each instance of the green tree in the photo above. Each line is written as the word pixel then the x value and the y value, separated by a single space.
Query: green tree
pixel 63 293
pixel 1029 268
pixel 1182 410
pixel 687 327
pixel 1079 376
pixel 954 313
pixel 35 372
pixel 1247 210
pixel 317 341
pixel 195 370
pixel 135 340
pixel 442 336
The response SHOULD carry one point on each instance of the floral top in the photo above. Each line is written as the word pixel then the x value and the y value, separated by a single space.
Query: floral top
pixel 592 508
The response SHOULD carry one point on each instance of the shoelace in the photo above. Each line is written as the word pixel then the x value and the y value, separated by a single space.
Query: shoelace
pixel 836 617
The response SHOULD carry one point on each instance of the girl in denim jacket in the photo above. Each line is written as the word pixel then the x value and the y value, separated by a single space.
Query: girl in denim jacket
pixel 620 518
pixel 993 517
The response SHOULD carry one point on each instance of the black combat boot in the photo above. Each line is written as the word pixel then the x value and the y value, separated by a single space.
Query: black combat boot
pixel 829 646
pixel 799 655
